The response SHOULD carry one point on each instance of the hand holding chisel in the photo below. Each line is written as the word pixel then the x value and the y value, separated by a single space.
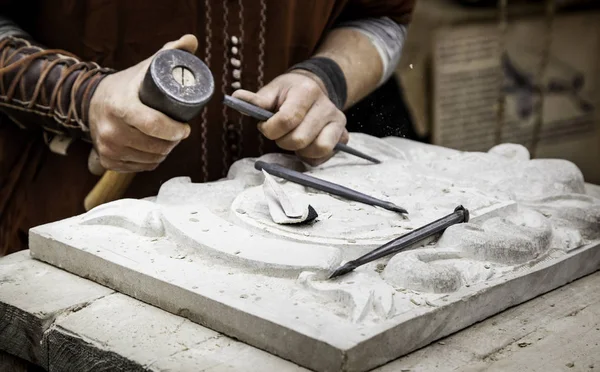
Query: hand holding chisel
pixel 261 114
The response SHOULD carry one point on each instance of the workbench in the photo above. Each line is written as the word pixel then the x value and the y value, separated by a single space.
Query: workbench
pixel 52 319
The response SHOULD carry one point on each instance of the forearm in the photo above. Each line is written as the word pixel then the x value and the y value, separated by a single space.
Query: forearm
pixel 367 51
pixel 45 88
pixel 357 58
pixel 9 28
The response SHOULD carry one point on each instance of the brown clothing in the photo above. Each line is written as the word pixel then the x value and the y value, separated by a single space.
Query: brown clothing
pixel 38 186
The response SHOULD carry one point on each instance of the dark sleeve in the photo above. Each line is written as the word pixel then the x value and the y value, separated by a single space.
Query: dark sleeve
pixel 398 10
pixel 43 88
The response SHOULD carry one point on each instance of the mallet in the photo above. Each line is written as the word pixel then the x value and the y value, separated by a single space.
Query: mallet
pixel 178 84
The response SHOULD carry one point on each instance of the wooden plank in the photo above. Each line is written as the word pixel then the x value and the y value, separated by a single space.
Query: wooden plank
pixel 11 363
pixel 567 343
pixel 119 333
pixel 32 296
pixel 485 343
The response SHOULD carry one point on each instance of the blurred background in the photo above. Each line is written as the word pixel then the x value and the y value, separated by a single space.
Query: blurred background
pixel 475 73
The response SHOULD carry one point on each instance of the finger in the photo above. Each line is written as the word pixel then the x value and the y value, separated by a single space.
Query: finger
pixel 345 137
pixel 131 155
pixel 316 162
pixel 291 113
pixel 137 140
pixel 319 115
pixel 125 167
pixel 323 145
pixel 187 42
pixel 156 124
pixel 111 137
pixel 265 98
pixel 123 154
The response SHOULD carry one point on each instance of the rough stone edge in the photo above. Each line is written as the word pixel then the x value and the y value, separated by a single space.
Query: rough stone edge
pixel 592 190
pixel 35 327
pixel 36 331
pixel 330 358
pixel 334 359
pixel 447 320
pixel 492 336
pixel 70 353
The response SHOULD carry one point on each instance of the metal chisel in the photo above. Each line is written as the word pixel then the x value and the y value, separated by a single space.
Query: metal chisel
pixel 261 114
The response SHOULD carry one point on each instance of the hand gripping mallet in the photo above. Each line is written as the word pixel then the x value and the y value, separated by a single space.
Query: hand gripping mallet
pixel 178 84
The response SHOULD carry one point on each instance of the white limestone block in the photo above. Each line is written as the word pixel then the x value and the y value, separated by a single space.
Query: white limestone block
pixel 212 253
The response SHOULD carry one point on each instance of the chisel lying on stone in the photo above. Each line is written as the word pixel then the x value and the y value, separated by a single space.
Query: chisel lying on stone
pixel 322 185
pixel 460 215
pixel 259 113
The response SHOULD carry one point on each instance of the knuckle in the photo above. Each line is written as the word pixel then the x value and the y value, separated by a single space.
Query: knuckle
pixel 291 119
pixel 148 123
pixel 299 141
pixel 116 110
pixel 313 162
pixel 162 149
pixel 322 148
pixel 151 167
pixel 152 121
pixel 106 163
pixel 102 149
pixel 332 110
pixel 310 86
pixel 268 132
pixel 158 159
pixel 109 151
pixel 106 131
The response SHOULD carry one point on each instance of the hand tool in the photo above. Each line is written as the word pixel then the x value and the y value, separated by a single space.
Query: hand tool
pixel 178 84
pixel 460 215
pixel 261 114
pixel 322 185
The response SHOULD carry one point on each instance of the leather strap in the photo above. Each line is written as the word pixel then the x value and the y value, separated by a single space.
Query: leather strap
pixel 47 87
pixel 331 75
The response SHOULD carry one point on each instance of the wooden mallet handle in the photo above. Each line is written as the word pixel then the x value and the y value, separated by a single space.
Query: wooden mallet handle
pixel 178 84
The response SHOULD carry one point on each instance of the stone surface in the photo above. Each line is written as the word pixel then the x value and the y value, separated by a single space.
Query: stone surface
pixel 120 333
pixel 32 296
pixel 87 327
pixel 211 253
pixel 116 332
pixel 541 335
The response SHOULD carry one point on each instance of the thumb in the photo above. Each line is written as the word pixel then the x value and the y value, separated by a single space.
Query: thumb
pixel 345 137
pixel 188 42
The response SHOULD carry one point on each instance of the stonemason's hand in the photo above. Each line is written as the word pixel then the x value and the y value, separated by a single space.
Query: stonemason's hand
pixel 305 120
pixel 128 135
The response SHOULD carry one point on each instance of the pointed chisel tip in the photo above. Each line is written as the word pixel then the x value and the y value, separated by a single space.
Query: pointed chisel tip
pixel 345 269
pixel 400 210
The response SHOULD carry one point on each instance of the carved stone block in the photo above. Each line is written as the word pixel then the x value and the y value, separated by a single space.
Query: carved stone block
pixel 211 252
